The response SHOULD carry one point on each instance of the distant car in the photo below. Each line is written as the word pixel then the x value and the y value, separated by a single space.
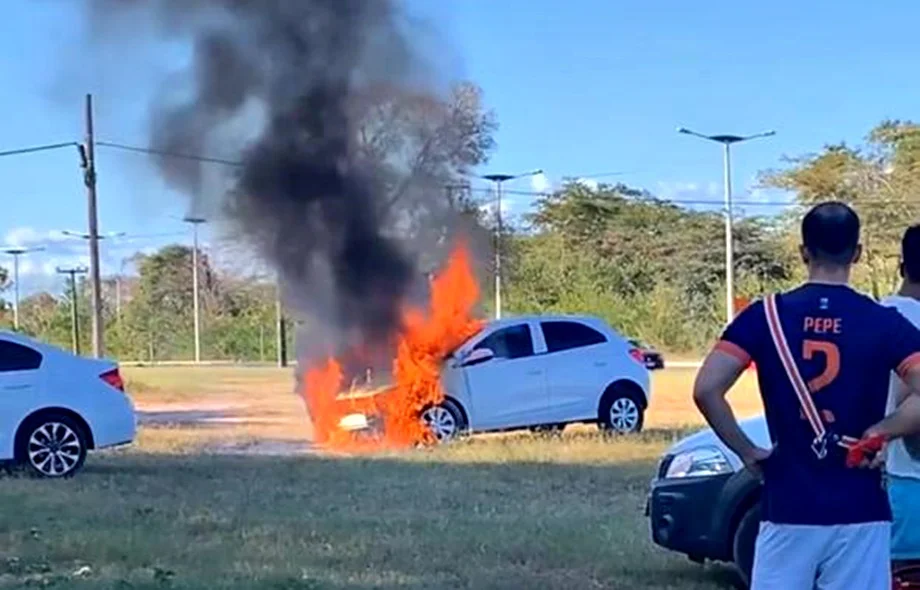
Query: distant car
pixel 653 359
pixel 55 406
pixel 538 372
pixel 704 503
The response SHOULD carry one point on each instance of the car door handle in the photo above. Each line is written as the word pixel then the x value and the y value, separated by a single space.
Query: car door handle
pixel 535 372
pixel 15 387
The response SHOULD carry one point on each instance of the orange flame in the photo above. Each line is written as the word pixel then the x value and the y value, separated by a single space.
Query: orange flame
pixel 426 337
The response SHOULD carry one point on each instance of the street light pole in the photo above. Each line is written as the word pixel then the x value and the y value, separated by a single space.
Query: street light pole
pixel 727 141
pixel 499 180
pixel 16 253
pixel 195 221
pixel 74 317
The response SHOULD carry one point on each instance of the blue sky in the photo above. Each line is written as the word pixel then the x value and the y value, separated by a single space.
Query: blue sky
pixel 579 87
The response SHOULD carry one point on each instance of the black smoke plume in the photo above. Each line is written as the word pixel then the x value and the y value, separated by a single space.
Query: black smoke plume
pixel 290 69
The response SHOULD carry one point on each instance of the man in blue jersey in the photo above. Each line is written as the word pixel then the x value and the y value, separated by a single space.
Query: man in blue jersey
pixel 824 353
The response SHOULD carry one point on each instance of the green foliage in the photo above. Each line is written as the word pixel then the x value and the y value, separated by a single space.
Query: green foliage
pixel 650 268
pixel 879 179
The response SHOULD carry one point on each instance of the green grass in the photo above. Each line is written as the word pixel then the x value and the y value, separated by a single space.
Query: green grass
pixel 503 511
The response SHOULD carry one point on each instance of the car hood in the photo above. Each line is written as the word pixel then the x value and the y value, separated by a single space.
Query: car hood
pixel 755 428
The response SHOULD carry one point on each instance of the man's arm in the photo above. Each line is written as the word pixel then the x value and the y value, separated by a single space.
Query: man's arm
pixel 905 420
pixel 719 372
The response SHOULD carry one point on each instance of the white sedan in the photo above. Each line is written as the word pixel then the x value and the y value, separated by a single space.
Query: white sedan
pixel 56 406
pixel 538 372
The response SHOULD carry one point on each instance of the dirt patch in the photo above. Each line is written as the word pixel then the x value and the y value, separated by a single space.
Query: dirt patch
pixel 230 427
pixel 280 448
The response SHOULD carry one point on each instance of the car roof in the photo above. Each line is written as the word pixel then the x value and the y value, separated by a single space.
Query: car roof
pixel 586 319
pixel 511 319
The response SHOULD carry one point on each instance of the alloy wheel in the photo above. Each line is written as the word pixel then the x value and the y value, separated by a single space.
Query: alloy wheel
pixel 624 415
pixel 54 449
pixel 441 422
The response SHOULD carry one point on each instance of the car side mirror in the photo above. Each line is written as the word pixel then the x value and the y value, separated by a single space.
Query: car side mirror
pixel 478 356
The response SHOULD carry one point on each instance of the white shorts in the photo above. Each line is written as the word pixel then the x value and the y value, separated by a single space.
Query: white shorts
pixel 804 557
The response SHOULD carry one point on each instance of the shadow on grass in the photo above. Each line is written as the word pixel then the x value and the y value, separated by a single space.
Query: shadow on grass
pixel 419 520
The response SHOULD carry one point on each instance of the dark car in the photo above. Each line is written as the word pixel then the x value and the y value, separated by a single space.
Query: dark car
pixel 652 358
pixel 704 503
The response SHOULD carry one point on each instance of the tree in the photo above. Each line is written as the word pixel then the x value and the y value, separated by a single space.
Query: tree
pixel 4 305
pixel 45 316
pixel 879 179
pixel 422 147
pixel 651 268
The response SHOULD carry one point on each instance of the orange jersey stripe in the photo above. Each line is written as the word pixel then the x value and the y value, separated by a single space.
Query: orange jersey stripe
pixel 734 350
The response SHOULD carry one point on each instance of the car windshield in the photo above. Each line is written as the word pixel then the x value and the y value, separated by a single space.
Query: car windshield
pixel 453 351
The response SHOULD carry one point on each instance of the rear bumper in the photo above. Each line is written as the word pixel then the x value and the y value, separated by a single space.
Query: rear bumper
pixel 681 514
pixel 117 428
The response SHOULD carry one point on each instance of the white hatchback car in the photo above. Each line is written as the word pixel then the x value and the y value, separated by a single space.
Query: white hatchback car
pixel 56 406
pixel 542 372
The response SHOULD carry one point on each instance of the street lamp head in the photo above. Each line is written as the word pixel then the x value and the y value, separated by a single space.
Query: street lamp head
pixel 727 138
pixel 497 177
pixel 192 219
pixel 506 177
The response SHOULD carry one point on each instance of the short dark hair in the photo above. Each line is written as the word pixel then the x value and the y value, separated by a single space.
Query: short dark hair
pixel 830 233
pixel 910 253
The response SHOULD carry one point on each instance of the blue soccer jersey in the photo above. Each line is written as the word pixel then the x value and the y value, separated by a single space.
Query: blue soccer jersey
pixel 845 346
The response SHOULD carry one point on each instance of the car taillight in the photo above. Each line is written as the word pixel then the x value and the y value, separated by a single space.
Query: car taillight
pixel 114 379
pixel 637 355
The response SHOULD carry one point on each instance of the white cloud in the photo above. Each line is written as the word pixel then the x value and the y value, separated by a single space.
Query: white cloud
pixel 589 183
pixel 540 183
pixel 38 270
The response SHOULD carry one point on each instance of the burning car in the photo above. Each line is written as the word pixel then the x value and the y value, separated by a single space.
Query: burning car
pixel 451 373
pixel 527 372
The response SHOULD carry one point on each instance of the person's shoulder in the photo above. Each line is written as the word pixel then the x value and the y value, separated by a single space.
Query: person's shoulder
pixel 753 309
pixel 907 307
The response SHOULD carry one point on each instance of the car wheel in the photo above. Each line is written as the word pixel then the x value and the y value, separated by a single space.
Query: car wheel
pixel 445 421
pixel 744 541
pixel 621 413
pixel 52 446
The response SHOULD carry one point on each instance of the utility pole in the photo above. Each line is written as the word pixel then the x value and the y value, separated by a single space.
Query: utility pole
pixel 195 221
pixel 280 330
pixel 16 253
pixel 727 141
pixel 74 318
pixel 88 155
pixel 89 238
pixel 500 179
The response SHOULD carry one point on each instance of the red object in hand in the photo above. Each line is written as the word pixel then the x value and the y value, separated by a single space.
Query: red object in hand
pixel 865 449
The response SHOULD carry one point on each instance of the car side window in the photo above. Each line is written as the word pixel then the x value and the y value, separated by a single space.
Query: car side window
pixel 16 357
pixel 566 335
pixel 510 343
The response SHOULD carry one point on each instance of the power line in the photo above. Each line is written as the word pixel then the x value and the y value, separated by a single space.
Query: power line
pixel 168 154
pixel 595 175
pixel 481 190
pixel 38 148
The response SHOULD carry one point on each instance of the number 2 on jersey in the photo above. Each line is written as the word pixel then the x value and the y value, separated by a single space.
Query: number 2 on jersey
pixel 832 355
